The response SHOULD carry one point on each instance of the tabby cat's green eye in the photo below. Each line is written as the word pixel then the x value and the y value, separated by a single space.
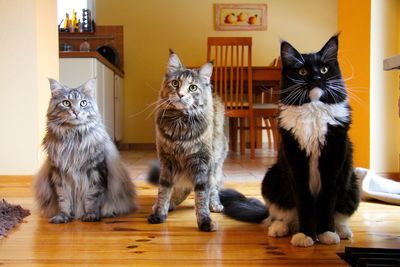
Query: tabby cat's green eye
pixel 324 70
pixel 303 72
pixel 66 103
pixel 83 103
pixel 175 83
pixel 193 87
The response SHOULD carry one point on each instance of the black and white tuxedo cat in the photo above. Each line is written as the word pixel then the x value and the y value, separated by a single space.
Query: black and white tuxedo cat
pixel 311 191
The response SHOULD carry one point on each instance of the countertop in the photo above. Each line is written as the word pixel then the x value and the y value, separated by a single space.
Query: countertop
pixel 92 54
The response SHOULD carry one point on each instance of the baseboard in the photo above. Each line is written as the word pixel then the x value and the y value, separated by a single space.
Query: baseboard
pixel 390 175
pixel 136 146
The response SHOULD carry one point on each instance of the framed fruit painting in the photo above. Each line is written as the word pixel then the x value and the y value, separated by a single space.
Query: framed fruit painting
pixel 236 17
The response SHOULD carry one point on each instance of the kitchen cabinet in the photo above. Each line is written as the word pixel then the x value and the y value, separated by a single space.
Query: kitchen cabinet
pixel 108 92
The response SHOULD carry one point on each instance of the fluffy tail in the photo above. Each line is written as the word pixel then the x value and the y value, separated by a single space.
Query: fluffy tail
pixel 45 195
pixel 121 194
pixel 154 172
pixel 241 208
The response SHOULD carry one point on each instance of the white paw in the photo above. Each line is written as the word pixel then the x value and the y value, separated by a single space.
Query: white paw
pixel 216 207
pixel 329 238
pixel 344 231
pixel 278 229
pixel 301 240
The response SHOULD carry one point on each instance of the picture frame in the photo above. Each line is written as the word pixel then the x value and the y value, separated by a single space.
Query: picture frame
pixel 240 17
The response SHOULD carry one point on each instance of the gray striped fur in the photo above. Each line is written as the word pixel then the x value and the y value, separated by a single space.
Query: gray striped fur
pixel 83 176
pixel 191 144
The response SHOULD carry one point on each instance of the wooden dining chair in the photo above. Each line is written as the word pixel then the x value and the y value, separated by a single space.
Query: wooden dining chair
pixel 265 109
pixel 232 81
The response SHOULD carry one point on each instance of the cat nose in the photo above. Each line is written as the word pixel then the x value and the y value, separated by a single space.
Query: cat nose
pixel 76 113
pixel 180 95
pixel 317 77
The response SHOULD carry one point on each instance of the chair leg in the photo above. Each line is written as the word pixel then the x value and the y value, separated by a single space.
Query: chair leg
pixel 275 132
pixel 242 133
pixel 268 127
pixel 252 137
pixel 259 133
pixel 233 128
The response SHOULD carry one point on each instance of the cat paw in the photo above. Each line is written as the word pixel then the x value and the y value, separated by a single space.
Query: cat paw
pixel 156 219
pixel 301 240
pixel 216 207
pixel 278 229
pixel 344 231
pixel 61 218
pixel 91 217
pixel 207 225
pixel 329 238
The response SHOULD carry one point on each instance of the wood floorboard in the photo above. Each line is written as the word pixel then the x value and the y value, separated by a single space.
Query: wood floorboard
pixel 130 241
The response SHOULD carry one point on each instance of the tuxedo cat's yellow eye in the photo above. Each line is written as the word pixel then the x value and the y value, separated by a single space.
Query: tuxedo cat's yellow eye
pixel 324 70
pixel 175 83
pixel 193 87
pixel 303 72
pixel 66 103
pixel 83 103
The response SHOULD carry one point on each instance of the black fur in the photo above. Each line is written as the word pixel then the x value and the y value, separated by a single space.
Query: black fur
pixel 286 184
pixel 241 208
pixel 153 176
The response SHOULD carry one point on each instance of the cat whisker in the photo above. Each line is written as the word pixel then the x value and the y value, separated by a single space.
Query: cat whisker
pixel 143 110
pixel 291 88
pixel 157 107
pixel 291 98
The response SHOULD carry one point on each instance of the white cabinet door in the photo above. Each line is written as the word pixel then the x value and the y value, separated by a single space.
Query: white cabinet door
pixel 118 106
pixel 105 99
pixel 76 71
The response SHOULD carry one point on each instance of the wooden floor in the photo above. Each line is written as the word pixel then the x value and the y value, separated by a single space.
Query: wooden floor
pixel 131 241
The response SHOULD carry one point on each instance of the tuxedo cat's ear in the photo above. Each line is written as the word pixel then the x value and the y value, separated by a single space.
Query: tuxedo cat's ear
pixel 290 56
pixel 330 49
pixel 174 64
pixel 89 87
pixel 206 71
pixel 55 86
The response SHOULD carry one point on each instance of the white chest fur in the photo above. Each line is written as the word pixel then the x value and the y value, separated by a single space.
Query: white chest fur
pixel 309 125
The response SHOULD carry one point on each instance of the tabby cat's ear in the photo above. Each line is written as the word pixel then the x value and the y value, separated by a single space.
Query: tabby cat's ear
pixel 55 86
pixel 89 87
pixel 290 56
pixel 174 64
pixel 206 71
pixel 330 49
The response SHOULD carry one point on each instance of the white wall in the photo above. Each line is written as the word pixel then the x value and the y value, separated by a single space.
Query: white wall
pixel 29 54
pixel 385 123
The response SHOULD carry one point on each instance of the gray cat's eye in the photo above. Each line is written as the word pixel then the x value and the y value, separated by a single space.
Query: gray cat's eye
pixel 303 72
pixel 66 103
pixel 193 87
pixel 83 103
pixel 324 70
pixel 175 83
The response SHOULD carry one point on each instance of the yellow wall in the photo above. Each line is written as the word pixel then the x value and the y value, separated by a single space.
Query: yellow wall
pixel 385 123
pixel 29 54
pixel 354 56
pixel 151 27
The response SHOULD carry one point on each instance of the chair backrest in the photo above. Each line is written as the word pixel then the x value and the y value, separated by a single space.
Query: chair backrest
pixel 232 75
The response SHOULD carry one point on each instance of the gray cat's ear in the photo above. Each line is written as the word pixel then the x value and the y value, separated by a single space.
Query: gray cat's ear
pixel 55 86
pixel 290 56
pixel 174 64
pixel 330 49
pixel 206 71
pixel 89 87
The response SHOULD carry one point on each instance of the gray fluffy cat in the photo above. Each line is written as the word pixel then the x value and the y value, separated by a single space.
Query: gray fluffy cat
pixel 191 144
pixel 82 177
